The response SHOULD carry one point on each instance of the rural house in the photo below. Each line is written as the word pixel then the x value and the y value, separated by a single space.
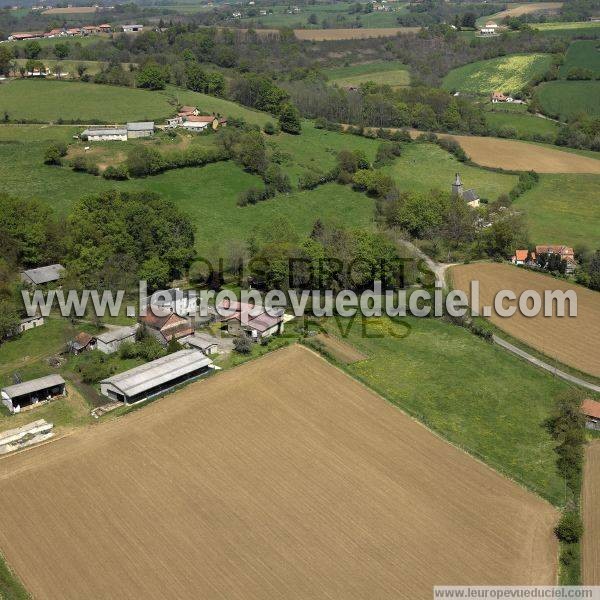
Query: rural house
pixel 200 122
pixel 110 341
pixel 523 257
pixel 138 130
pixel 132 28
pixel 23 396
pixel 500 97
pixel 591 410
pixel 252 321
pixel 166 327
pixel 490 28
pixel 181 302
pixel 469 196
pixel 188 111
pixel 156 377
pixel 42 275
pixel 565 253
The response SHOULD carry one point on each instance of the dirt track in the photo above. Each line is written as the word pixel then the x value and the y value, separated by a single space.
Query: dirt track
pixel 339 349
pixel 574 341
pixel 283 478
pixel 591 516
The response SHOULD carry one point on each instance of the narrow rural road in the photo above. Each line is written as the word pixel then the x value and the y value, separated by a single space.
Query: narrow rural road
pixel 544 365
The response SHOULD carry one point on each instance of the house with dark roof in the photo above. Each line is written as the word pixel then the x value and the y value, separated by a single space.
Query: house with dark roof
pixel 42 275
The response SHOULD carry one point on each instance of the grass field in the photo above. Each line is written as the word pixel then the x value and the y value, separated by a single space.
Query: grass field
pixel 574 341
pixel 504 74
pixel 569 98
pixel 583 54
pixel 472 393
pixel 563 209
pixel 578 28
pixel 525 124
pixel 591 516
pixel 517 10
pixel 423 167
pixel 392 73
pixel 321 35
pixel 241 488
pixel 69 67
pixel 514 155
pixel 84 102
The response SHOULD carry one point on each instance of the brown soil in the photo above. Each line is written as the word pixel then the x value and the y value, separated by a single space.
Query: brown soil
pixel 341 351
pixel 591 516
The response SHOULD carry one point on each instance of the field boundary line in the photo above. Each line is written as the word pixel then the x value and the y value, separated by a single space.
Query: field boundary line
pixel 544 365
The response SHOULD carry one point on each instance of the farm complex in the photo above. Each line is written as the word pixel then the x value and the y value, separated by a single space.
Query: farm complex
pixel 242 487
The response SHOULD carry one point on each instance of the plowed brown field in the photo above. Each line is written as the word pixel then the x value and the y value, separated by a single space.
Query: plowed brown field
pixel 321 35
pixel 574 341
pixel 591 515
pixel 283 478
pixel 524 9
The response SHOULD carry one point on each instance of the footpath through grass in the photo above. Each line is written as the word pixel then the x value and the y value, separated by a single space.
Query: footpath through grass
pixel 472 393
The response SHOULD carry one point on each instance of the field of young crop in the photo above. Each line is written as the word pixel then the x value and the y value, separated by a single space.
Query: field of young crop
pixel 591 516
pixel 214 476
pixel 583 54
pixel 392 73
pixel 506 74
pixel 574 341
pixel 566 99
pixel 467 390
pixel 563 209
pixel 83 102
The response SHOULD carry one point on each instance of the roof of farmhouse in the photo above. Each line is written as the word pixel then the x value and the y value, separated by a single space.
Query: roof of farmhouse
pixel 141 126
pixel 146 377
pixel 114 335
pixel 104 131
pixel 35 385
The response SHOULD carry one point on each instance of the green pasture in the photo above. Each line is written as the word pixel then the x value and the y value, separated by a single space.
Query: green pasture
pixel 392 73
pixel 563 209
pixel 69 67
pixel 567 99
pixel 424 166
pixel 504 74
pixel 85 102
pixel 582 54
pixel 524 124
pixel 472 393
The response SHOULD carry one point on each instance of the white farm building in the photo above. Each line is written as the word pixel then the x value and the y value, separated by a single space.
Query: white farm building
pixel 105 134
pixel 156 377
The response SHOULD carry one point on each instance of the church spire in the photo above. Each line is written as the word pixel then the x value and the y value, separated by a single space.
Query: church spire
pixel 457 186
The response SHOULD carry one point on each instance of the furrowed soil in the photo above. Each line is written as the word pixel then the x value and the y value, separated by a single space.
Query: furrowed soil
pixel 341 351
pixel 282 478
pixel 591 516
pixel 574 341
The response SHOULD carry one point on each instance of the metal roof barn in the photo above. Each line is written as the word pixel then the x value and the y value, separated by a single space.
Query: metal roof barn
pixel 35 385
pixel 156 376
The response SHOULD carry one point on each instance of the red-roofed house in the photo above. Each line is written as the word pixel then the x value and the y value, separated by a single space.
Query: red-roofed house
pixel 166 327
pixel 523 257
pixel 591 410
pixel 566 253
pixel 200 122
pixel 252 321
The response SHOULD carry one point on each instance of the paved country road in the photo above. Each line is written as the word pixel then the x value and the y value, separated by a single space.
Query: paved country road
pixel 544 365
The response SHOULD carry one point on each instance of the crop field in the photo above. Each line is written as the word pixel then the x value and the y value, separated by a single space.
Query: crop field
pixel 522 123
pixel 514 155
pixel 84 102
pixel 517 10
pixel 591 516
pixel 577 27
pixel 503 74
pixel 213 476
pixel 563 209
pixel 574 341
pixel 321 35
pixel 583 54
pixel 392 73
pixel 566 99
pixel 424 166
pixel 71 9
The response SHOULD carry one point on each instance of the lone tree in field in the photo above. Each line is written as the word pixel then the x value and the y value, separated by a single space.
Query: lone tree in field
pixel 151 77
pixel 289 119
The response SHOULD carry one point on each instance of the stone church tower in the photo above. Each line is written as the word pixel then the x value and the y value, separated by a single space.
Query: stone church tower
pixel 457 186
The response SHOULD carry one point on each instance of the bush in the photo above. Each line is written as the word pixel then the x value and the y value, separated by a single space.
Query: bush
pixel 54 153
pixel 570 527
pixel 242 345
pixel 386 153
pixel 269 128
pixel 84 165
pixel 117 172
pixel 453 147
pixel 289 119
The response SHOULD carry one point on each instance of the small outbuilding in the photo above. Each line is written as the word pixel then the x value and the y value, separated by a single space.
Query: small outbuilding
pixel 591 410
pixel 82 342
pixel 30 393
pixel 110 341
pixel 30 323
pixel 138 130
pixel 156 377
pixel 207 344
